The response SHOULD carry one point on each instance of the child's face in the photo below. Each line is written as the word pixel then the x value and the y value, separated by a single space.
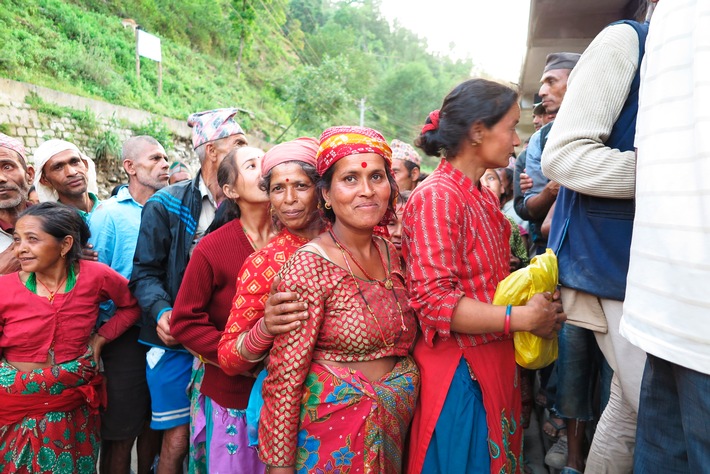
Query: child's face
pixel 491 180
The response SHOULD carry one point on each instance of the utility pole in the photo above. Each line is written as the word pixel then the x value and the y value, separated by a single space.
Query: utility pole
pixel 362 112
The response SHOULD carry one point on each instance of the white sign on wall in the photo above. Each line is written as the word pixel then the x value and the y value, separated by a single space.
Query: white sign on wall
pixel 148 46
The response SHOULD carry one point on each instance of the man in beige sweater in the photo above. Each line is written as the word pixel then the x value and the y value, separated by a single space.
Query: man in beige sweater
pixel 578 157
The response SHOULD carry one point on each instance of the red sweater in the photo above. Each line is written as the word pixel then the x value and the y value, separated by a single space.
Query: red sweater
pixel 30 324
pixel 202 307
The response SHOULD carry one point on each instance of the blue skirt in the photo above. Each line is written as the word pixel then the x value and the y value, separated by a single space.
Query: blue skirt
pixel 460 440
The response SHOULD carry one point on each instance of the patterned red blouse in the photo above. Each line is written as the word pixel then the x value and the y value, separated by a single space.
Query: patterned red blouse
pixel 339 328
pixel 455 241
pixel 253 285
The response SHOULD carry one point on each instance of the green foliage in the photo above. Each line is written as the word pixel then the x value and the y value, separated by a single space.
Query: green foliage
pixel 5 128
pixel 296 65
pixel 84 118
pixel 156 129
pixel 40 105
pixel 319 93
pixel 107 145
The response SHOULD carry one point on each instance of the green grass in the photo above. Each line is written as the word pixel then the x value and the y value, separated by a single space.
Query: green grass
pixel 61 46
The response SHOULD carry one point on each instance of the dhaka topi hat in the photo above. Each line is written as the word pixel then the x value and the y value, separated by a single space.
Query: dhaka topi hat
pixel 561 61
pixel 176 167
pixel 339 142
pixel 212 125
pixel 405 151
pixel 13 144
pixel 301 149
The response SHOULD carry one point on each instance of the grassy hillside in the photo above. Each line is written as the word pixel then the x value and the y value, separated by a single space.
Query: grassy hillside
pixel 297 65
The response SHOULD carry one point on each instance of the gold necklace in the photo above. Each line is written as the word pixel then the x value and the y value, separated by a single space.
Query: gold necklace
pixel 390 287
pixel 52 293
pixel 387 282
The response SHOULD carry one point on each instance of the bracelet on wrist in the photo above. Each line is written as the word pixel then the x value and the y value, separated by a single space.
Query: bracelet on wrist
pixel 506 325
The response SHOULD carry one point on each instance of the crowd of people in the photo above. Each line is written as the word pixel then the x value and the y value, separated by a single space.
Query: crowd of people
pixel 325 306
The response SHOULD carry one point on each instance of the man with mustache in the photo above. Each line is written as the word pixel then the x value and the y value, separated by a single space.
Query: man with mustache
pixel 66 175
pixel 15 179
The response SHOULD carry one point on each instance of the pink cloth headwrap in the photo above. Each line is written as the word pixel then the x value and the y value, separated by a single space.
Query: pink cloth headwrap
pixel 13 144
pixel 339 142
pixel 301 149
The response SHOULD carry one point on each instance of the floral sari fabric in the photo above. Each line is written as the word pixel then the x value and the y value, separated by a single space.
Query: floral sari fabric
pixel 63 441
pixel 373 416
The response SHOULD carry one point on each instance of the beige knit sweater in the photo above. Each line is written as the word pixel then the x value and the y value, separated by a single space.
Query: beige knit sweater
pixel 575 155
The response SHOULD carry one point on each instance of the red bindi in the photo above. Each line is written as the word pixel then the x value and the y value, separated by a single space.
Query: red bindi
pixel 364 165
pixel 287 180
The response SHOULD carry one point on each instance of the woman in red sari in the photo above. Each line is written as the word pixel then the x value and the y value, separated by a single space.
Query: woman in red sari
pixel 456 247
pixel 49 380
pixel 342 387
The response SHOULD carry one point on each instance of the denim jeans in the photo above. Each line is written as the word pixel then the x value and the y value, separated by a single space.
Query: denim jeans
pixel 578 363
pixel 673 434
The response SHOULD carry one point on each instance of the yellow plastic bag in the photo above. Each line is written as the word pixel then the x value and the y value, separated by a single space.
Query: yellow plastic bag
pixel 531 351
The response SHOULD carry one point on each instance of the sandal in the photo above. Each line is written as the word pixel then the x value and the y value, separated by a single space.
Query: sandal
pixel 553 427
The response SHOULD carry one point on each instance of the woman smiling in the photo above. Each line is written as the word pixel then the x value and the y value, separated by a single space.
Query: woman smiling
pixel 341 387
pixel 49 380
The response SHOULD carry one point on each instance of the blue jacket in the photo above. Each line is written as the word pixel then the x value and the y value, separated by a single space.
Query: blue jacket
pixel 590 235
pixel 168 225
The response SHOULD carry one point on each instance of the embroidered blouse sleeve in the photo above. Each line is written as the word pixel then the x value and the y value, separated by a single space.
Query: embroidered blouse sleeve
pixel 431 229
pixel 253 285
pixel 115 288
pixel 290 360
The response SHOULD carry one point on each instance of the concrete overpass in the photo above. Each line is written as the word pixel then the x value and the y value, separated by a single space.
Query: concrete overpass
pixel 563 25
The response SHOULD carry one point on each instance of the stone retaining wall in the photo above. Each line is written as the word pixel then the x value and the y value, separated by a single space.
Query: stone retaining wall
pixel 21 120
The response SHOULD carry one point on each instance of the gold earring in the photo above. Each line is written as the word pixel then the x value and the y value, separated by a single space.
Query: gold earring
pixel 328 206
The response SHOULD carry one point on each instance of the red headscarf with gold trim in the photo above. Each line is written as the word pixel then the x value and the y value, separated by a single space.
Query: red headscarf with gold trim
pixel 342 141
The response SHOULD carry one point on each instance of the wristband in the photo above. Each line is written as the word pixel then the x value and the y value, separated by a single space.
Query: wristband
pixel 506 326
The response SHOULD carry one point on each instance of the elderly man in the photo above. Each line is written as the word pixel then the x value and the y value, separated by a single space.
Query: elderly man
pixel 114 231
pixel 66 175
pixel 15 179
pixel 173 221
pixel 534 203
pixel 405 165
